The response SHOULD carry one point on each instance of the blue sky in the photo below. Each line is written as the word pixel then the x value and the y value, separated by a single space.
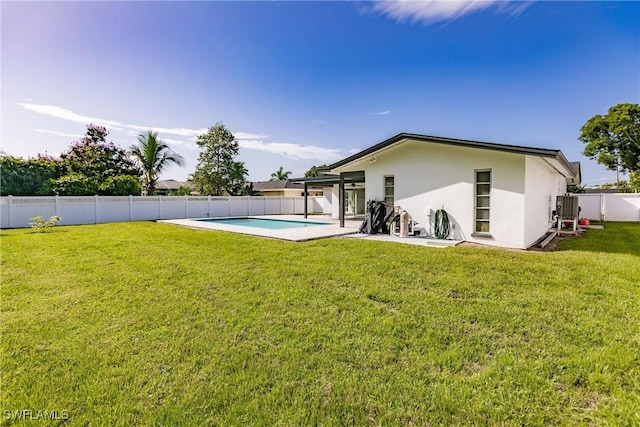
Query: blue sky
pixel 306 83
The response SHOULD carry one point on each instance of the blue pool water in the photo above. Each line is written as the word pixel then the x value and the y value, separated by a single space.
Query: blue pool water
pixel 269 224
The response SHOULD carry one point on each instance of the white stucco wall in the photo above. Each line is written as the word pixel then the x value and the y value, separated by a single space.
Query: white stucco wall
pixel 542 185
pixel 327 197
pixel 431 176
pixel 335 206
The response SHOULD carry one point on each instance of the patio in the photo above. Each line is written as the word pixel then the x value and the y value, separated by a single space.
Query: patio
pixel 332 229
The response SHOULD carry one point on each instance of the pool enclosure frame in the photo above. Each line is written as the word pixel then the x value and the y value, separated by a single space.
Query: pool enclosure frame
pixel 331 180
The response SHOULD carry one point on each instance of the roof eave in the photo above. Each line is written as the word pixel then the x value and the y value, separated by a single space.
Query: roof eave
pixel 389 143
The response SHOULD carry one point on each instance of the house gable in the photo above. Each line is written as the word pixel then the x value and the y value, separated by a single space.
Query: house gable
pixel 429 173
pixel 554 157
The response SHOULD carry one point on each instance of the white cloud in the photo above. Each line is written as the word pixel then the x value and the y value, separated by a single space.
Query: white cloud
pixel 430 11
pixel 171 131
pixel 173 141
pixel 251 141
pixel 245 135
pixel 53 132
pixel 379 113
pixel 186 144
pixel 63 113
pixel 294 151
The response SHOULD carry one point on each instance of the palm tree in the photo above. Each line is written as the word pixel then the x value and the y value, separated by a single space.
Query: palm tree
pixel 153 156
pixel 280 175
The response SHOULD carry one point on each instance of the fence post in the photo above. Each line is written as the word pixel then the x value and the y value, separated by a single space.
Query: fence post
pixel 264 204
pixel 56 206
pixel 9 210
pixel 229 203
pixel 248 206
pixel 186 200
pixel 159 207
pixel 130 200
pixel 602 206
pixel 209 205
pixel 95 209
pixel 280 197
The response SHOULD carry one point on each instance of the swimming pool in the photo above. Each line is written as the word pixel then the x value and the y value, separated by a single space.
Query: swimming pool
pixel 264 223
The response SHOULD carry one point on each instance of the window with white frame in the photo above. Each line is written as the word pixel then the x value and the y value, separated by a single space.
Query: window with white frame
pixel 388 190
pixel 482 200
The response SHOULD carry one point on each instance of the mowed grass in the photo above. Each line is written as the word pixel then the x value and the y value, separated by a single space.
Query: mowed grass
pixel 152 324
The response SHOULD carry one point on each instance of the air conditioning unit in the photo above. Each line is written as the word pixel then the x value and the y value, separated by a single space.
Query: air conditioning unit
pixel 567 206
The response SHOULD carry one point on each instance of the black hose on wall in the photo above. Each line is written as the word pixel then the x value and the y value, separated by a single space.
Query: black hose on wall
pixel 441 225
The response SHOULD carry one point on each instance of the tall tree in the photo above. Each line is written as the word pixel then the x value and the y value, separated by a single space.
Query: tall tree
pixel 90 162
pixel 614 139
pixel 313 171
pixel 216 163
pixel 634 181
pixel 280 174
pixel 153 156
pixel 94 157
pixel 237 184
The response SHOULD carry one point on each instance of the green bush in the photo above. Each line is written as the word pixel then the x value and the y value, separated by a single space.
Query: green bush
pixel 121 185
pixel 39 224
pixel 29 177
pixel 75 184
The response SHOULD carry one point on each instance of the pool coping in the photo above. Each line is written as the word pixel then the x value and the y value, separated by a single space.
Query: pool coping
pixel 331 229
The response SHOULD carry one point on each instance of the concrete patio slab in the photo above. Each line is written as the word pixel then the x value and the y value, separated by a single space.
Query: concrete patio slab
pixel 330 229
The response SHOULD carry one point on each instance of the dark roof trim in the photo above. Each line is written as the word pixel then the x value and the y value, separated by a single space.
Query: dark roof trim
pixel 576 168
pixel 350 177
pixel 542 152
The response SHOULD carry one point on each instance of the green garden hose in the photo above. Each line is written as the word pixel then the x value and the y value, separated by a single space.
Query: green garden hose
pixel 441 225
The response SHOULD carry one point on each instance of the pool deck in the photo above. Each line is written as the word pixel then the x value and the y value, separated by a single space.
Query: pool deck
pixel 332 229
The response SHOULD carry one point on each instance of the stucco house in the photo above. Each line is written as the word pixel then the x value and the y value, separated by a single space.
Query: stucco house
pixel 169 186
pixel 494 194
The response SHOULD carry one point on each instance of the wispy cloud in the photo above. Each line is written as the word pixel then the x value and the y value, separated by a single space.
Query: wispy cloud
pixel 245 135
pixel 171 131
pixel 250 141
pixel 431 11
pixel 379 113
pixel 63 113
pixel 54 132
pixel 294 151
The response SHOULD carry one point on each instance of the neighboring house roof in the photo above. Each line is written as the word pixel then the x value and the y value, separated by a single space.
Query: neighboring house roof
pixel 276 185
pixel 601 190
pixel 577 178
pixel 557 159
pixel 172 184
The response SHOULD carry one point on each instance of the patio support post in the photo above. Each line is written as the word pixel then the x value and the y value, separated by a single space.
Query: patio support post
pixel 306 209
pixel 341 200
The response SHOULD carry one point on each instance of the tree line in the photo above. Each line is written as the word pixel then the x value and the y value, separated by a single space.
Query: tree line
pixel 93 166
pixel 613 140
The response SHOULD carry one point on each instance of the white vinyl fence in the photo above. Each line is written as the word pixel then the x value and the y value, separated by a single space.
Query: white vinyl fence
pixel 15 212
pixel 610 206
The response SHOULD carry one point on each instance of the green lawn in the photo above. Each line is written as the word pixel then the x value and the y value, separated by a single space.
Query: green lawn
pixel 151 324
